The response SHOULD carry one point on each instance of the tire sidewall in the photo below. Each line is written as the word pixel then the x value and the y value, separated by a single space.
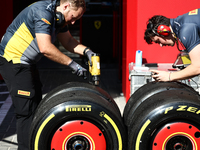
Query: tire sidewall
pixel 149 90
pixel 79 87
pixel 157 116
pixel 95 114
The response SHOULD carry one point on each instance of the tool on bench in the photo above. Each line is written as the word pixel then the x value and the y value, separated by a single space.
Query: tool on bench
pixel 182 61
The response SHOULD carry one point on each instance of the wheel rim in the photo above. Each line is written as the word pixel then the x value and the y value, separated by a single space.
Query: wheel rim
pixel 78 135
pixel 177 136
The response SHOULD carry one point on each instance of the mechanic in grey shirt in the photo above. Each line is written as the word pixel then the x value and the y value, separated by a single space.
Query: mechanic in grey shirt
pixel 29 37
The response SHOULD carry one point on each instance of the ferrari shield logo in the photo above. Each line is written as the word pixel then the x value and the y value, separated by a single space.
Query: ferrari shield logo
pixel 97 24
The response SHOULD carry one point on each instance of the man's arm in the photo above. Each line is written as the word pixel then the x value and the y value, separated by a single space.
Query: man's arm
pixel 71 44
pixel 193 69
pixel 189 72
pixel 50 51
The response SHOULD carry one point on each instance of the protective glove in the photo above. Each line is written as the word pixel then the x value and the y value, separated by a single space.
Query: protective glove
pixel 77 69
pixel 89 54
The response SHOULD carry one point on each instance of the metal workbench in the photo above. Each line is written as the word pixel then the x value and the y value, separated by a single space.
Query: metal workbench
pixel 142 75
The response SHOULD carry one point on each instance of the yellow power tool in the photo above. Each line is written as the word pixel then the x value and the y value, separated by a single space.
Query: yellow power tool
pixel 94 69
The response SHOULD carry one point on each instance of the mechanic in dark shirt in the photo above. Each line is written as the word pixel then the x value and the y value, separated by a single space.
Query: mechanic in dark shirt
pixel 183 30
pixel 29 37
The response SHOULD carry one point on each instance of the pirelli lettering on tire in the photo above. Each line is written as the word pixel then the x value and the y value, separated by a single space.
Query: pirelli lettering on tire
pixel 184 108
pixel 80 108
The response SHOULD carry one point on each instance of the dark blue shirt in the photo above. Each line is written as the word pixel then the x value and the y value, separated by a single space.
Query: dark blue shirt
pixel 187 28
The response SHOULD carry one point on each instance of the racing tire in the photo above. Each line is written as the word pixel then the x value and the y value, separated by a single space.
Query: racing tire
pixel 148 90
pixel 168 120
pixel 80 87
pixel 77 120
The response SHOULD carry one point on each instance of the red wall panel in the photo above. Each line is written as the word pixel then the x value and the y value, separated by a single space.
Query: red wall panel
pixel 129 35
pixel 6 17
pixel 6 11
pixel 135 16
pixel 171 9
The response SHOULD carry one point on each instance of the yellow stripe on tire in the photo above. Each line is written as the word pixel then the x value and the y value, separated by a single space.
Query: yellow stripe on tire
pixel 116 130
pixel 140 134
pixel 40 130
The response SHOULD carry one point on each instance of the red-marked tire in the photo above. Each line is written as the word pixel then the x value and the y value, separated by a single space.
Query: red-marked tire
pixel 148 90
pixel 77 120
pixel 177 136
pixel 169 120
pixel 81 135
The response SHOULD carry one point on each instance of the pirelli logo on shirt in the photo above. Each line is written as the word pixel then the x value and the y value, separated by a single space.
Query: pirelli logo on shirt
pixel 24 93
pixel 193 12
pixel 46 21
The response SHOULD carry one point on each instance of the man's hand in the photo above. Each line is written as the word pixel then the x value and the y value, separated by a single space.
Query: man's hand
pixel 161 75
pixel 77 69
pixel 89 54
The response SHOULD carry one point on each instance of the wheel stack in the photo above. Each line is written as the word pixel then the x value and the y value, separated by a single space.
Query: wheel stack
pixel 78 116
pixel 163 116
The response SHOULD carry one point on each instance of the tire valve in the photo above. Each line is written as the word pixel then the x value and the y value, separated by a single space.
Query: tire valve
pixel 94 69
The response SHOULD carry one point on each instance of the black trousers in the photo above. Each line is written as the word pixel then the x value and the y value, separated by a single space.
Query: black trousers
pixel 24 86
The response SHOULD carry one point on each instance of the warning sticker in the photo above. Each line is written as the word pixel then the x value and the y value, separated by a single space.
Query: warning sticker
pixel 193 12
